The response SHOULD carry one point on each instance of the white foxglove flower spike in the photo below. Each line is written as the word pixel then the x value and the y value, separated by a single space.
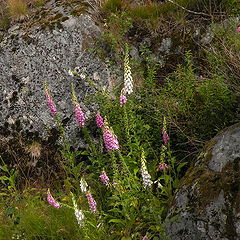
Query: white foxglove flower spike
pixel 128 81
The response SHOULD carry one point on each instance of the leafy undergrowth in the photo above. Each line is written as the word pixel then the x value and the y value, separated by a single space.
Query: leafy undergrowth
pixel 28 216
pixel 133 170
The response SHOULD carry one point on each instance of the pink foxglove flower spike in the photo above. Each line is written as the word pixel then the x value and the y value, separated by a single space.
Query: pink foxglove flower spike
pixel 110 139
pixel 79 114
pixel 52 201
pixel 164 132
pixel 92 202
pixel 104 177
pixel 78 111
pixel 49 101
pixel 163 166
pixel 99 120
pixel 123 98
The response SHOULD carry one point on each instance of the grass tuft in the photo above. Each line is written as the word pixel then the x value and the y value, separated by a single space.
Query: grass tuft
pixel 17 8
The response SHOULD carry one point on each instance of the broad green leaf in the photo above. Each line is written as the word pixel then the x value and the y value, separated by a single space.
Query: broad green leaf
pixel 117 221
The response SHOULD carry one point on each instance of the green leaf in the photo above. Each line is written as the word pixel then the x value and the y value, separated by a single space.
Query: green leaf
pixel 84 152
pixel 3 194
pixel 4 168
pixel 117 221
pixel 3 179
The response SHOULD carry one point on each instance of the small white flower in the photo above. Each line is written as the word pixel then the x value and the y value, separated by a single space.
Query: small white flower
pixel 83 185
pixel 82 76
pixel 70 73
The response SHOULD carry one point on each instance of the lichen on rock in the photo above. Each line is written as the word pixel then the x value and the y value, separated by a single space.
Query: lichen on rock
pixel 208 198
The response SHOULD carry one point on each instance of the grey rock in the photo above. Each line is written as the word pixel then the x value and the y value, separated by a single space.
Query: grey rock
pixel 47 55
pixel 207 201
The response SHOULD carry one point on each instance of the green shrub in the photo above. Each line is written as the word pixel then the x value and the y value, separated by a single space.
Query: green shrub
pixel 199 106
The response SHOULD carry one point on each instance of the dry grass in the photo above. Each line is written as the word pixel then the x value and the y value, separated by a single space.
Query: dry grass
pixel 17 8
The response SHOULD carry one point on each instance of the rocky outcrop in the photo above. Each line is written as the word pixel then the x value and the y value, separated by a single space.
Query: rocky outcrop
pixel 55 39
pixel 207 205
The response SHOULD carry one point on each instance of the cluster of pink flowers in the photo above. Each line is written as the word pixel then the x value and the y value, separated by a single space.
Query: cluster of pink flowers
pixel 145 237
pixel 163 166
pixel 79 114
pixel 99 120
pixel 104 177
pixel 165 136
pixel 123 98
pixel 110 139
pixel 238 29
pixel 50 102
pixel 92 202
pixel 52 201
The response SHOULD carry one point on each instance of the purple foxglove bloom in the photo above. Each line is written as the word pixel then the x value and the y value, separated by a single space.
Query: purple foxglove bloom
pixel 104 178
pixel 110 140
pixel 99 120
pixel 145 237
pixel 79 114
pixel 52 201
pixel 92 202
pixel 163 166
pixel 114 184
pixel 123 98
pixel 50 103
pixel 165 136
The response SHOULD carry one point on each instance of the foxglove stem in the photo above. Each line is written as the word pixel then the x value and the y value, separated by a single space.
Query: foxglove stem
pixel 115 168
pixel 61 129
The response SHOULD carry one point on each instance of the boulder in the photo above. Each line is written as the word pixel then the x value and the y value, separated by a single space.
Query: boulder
pixel 207 204
pixel 54 39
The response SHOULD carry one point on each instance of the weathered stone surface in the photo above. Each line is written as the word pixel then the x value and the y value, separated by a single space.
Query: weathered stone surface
pixel 209 197
pixel 30 55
